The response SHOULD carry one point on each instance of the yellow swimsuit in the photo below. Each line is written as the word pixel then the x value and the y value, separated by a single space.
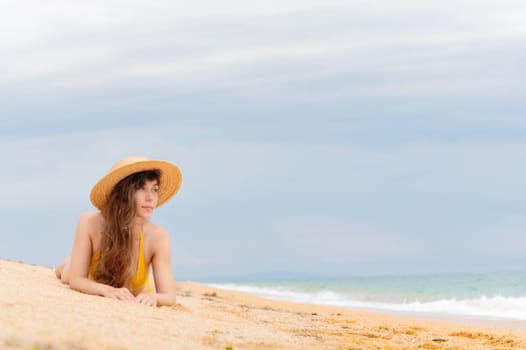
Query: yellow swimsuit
pixel 136 282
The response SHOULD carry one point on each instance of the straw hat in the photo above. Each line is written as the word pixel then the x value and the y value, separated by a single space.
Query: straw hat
pixel 169 182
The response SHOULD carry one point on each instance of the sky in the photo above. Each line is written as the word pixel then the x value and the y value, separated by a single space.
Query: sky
pixel 316 138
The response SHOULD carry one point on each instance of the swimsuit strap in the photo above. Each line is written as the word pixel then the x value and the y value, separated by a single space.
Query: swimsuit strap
pixel 139 280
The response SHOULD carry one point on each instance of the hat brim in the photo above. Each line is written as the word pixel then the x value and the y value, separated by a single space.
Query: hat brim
pixel 170 181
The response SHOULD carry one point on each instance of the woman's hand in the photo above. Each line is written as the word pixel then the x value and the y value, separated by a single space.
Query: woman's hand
pixel 149 299
pixel 119 293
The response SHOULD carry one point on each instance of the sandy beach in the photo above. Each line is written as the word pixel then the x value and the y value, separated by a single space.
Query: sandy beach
pixel 38 312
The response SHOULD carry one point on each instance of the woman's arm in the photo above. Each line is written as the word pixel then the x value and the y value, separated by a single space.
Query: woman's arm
pixel 162 270
pixel 80 262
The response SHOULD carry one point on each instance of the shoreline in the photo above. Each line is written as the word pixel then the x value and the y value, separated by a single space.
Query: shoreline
pixel 475 320
pixel 37 311
pixel 500 323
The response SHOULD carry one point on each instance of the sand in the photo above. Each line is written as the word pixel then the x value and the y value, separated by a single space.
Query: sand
pixel 38 312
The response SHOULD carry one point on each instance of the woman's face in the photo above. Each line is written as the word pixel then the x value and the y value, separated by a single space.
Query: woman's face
pixel 146 198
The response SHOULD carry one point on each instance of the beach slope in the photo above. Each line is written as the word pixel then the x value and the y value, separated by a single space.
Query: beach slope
pixel 38 312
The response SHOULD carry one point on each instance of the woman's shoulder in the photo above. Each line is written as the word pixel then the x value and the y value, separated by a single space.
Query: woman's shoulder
pixel 155 230
pixel 91 220
pixel 155 233
pixel 91 216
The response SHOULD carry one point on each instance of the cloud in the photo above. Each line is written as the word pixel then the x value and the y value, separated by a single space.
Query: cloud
pixel 336 240
pixel 502 238
pixel 65 166
pixel 215 166
pixel 345 50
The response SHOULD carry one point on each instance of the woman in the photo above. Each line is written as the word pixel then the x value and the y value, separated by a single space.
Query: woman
pixel 115 247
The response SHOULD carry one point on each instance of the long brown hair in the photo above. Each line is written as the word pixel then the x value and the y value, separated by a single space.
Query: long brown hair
pixel 114 267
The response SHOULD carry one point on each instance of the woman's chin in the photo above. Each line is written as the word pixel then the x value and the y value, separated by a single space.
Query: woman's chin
pixel 143 216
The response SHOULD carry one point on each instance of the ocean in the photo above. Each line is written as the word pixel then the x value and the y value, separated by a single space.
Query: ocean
pixel 486 296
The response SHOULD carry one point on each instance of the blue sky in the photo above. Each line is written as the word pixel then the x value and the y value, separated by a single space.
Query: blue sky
pixel 325 138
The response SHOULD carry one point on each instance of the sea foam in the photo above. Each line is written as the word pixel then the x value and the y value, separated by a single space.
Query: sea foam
pixel 494 307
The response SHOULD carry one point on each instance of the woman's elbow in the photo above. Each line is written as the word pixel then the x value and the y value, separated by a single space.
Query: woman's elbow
pixel 75 283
